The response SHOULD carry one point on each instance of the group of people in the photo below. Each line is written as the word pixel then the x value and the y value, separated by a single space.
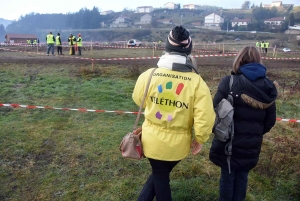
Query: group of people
pixel 263 46
pixel 33 42
pixel 75 44
pixel 179 103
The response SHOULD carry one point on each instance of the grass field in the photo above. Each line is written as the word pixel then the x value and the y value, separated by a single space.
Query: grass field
pixel 71 155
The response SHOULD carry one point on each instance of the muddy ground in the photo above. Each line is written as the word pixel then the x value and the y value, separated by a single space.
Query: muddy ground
pixel 277 69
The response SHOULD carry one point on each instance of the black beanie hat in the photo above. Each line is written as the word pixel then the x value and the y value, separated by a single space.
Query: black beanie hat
pixel 179 40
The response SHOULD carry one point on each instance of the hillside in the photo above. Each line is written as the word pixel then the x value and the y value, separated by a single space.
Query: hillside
pixel 5 22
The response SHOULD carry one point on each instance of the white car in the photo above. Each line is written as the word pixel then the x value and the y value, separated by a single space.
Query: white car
pixel 286 49
pixel 134 43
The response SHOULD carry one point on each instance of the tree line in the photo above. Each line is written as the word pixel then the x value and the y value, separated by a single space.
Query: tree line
pixel 83 19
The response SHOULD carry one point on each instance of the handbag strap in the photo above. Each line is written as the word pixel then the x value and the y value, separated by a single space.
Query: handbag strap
pixel 143 100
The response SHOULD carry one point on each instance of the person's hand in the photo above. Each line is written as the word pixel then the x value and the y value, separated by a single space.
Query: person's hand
pixel 196 147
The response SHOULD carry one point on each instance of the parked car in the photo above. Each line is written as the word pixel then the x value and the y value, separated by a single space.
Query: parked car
pixel 286 49
pixel 134 43
pixel 237 39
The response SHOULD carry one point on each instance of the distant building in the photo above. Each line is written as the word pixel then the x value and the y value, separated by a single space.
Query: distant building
pixel 274 21
pixel 121 22
pixel 19 38
pixel 240 22
pixel 146 19
pixel 277 4
pixel 106 12
pixel 213 19
pixel 144 9
pixel 171 5
pixel 191 7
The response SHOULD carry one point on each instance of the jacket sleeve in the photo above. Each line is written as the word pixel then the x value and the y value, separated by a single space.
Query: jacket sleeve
pixel 204 114
pixel 139 88
pixel 270 119
pixel 222 91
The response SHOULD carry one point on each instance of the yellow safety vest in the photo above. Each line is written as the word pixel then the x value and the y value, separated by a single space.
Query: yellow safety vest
pixel 267 45
pixel 50 39
pixel 57 40
pixel 79 41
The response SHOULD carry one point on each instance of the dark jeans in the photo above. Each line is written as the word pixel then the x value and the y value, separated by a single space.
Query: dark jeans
pixel 50 47
pixel 79 50
pixel 59 49
pixel 158 183
pixel 233 186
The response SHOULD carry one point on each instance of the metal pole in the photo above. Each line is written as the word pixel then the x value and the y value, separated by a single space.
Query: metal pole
pixel 227 25
pixel 181 20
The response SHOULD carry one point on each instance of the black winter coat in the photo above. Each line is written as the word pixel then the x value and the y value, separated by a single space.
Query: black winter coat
pixel 254 115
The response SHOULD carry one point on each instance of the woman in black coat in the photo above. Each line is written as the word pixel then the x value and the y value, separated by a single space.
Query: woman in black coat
pixel 254 115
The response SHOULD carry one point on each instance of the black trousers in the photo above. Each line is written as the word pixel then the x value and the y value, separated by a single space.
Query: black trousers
pixel 79 50
pixel 158 183
pixel 59 49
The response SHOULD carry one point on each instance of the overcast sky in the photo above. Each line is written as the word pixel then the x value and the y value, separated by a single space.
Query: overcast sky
pixel 13 9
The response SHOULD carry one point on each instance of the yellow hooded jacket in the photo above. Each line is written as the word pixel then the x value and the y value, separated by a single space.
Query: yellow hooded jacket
pixel 176 102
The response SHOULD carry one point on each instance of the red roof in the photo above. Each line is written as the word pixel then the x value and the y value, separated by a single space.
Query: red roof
pixel 275 19
pixel 26 36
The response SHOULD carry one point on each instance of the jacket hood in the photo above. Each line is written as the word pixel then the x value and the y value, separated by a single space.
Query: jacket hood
pixel 259 94
pixel 253 71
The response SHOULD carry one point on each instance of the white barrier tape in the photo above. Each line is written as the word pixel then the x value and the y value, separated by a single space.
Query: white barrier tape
pixel 102 111
pixel 139 58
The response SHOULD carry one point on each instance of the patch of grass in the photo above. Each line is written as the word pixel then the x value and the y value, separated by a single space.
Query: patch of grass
pixel 70 155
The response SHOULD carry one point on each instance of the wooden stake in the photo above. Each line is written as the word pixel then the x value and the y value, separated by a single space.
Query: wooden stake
pixel 153 50
pixel 92 63
pixel 223 48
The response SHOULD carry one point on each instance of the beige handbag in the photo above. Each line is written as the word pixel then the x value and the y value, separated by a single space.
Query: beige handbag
pixel 131 145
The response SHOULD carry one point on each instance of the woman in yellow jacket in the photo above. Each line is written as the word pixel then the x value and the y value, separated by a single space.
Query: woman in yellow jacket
pixel 178 100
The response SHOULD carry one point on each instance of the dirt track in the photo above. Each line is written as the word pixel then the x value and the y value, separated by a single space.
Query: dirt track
pixel 220 62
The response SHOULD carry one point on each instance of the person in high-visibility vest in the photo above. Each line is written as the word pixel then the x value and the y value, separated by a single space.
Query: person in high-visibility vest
pixel 262 46
pixel 50 43
pixel 266 46
pixel 58 44
pixel 34 42
pixel 79 44
pixel 72 43
pixel 257 44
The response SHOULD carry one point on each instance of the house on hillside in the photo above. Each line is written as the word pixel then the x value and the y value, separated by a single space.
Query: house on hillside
pixel 146 19
pixel 240 22
pixel 213 19
pixel 106 12
pixel 19 38
pixel 144 9
pixel 121 22
pixel 277 21
pixel 171 5
pixel 278 4
pixel 191 7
